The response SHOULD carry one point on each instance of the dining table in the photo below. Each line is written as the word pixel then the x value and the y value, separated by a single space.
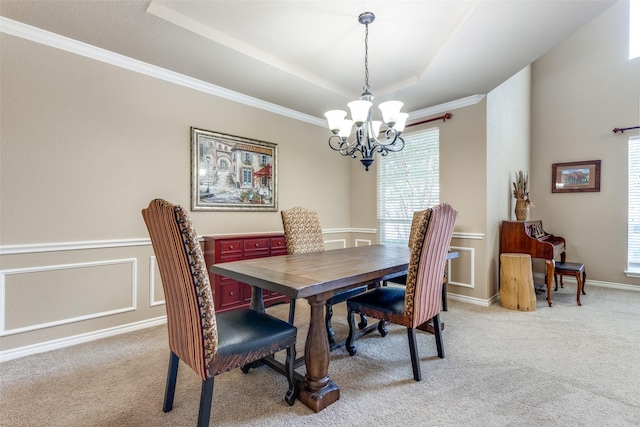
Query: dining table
pixel 316 277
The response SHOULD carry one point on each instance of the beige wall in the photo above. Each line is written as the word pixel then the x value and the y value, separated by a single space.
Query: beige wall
pixel 583 89
pixel 86 145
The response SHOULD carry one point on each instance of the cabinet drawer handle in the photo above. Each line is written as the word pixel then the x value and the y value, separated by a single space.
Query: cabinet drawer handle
pixel 257 245
pixel 231 247
pixel 230 293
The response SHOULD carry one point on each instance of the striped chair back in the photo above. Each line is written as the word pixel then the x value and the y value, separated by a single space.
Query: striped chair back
pixel 433 232
pixel 191 319
pixel 302 230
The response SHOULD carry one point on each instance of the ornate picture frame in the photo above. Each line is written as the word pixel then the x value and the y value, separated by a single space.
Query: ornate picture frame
pixel 232 173
pixel 575 177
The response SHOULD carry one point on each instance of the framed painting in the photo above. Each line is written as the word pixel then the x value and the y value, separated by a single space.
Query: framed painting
pixel 231 173
pixel 575 177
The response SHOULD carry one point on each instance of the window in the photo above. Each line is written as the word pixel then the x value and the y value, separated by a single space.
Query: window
pixel 633 241
pixel 407 181
pixel 246 177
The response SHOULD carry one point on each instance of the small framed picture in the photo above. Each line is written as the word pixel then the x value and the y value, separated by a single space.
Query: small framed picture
pixel 231 173
pixel 575 177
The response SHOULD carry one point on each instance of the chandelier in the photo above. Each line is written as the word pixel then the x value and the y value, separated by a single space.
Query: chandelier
pixel 368 140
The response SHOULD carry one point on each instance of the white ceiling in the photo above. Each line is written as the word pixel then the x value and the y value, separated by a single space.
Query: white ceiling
pixel 309 55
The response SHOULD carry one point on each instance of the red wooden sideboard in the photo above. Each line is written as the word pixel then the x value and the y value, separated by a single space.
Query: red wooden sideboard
pixel 229 293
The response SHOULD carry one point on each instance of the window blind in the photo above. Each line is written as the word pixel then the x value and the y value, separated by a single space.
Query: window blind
pixel 633 241
pixel 407 181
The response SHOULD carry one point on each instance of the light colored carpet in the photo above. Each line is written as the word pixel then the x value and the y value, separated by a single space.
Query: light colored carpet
pixel 566 365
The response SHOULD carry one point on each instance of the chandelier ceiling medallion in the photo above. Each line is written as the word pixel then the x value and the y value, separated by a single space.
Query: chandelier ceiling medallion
pixel 367 134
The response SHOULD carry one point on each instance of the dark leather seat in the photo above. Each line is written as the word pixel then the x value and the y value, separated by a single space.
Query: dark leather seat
pixel 243 331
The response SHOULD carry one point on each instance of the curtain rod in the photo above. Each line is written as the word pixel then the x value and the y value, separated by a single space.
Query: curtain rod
pixel 621 130
pixel 443 118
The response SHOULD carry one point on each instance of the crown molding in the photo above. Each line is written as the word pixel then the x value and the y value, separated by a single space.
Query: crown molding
pixel 443 108
pixel 37 35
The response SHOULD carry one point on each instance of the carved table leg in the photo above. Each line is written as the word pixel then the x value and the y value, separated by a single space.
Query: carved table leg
pixel 317 391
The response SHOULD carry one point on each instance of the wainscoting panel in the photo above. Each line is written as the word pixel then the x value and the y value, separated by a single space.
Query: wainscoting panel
pixel 44 296
pixel 363 242
pixel 461 270
pixel 156 293
pixel 335 244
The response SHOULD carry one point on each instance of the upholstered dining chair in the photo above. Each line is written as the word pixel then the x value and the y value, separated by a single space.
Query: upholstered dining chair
pixel 210 343
pixel 402 280
pixel 420 301
pixel 303 234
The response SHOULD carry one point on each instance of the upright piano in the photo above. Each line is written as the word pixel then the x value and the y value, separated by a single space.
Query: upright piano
pixel 528 237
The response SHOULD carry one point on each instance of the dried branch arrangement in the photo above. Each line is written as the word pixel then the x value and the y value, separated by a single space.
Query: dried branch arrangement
pixel 520 187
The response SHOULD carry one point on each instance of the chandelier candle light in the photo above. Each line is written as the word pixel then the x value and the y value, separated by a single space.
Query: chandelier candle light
pixel 366 140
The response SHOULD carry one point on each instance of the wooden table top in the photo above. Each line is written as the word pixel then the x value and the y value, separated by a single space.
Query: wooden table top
pixel 306 275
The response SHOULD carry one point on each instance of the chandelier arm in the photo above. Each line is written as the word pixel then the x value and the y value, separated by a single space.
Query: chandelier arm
pixel 391 136
pixel 393 147
pixel 343 146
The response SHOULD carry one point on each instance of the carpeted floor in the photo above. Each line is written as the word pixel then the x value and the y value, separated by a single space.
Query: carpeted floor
pixel 560 366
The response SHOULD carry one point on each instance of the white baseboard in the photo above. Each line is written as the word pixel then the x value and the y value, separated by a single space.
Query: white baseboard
pixel 610 285
pixel 472 300
pixel 78 339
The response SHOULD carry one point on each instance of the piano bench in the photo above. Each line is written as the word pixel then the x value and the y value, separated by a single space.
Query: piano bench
pixel 575 269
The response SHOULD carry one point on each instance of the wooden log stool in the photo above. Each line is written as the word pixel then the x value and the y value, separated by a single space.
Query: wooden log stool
pixel 575 269
pixel 516 282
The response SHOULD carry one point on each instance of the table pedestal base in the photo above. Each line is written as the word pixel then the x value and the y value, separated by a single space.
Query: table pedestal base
pixel 317 400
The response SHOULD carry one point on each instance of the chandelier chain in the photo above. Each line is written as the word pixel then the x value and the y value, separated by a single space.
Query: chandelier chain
pixel 366 86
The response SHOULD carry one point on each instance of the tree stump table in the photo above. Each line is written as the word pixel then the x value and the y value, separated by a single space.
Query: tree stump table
pixel 516 282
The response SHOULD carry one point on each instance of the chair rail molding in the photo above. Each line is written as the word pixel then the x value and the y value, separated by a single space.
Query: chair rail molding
pixel 71 246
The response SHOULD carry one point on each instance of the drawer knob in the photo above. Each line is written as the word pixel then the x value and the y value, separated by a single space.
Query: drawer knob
pixel 231 293
pixel 231 247
pixel 257 245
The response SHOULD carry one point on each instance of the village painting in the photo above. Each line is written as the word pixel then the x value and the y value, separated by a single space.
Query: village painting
pixel 232 173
